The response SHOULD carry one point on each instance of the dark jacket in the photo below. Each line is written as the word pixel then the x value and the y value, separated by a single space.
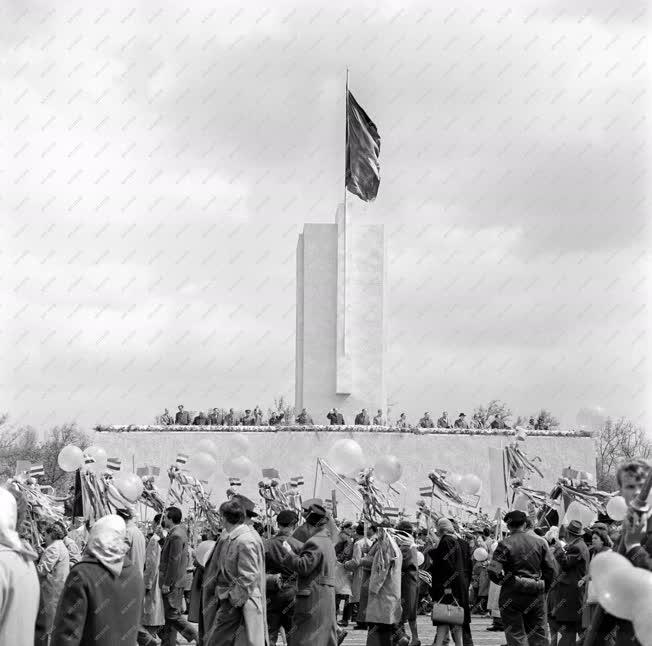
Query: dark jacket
pixel 450 570
pixel 201 420
pixel 409 584
pixel 99 608
pixel 182 417
pixel 336 418
pixel 215 419
pixel 362 420
pixel 574 564
pixel 174 558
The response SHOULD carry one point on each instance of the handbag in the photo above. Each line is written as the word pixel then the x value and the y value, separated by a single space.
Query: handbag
pixel 451 614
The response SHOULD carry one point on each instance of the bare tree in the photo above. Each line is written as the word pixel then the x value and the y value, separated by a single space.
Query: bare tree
pixel 616 442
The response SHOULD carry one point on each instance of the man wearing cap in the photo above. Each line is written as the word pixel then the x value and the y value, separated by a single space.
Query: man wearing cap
pixel 233 598
pixel 574 564
pixel 523 565
pixel 314 622
pixel 281 580
pixel 250 513
pixel 302 533
pixel 461 422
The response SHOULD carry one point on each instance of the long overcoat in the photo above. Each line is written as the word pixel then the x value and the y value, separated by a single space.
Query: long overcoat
pixel 314 622
pixel 360 547
pixel 574 563
pixel 153 611
pixel 449 571
pixel 52 568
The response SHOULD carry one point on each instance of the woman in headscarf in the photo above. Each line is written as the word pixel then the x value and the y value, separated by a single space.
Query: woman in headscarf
pixel 19 587
pixel 409 579
pixel 103 595
pixel 449 581
pixel 600 542
pixel 52 568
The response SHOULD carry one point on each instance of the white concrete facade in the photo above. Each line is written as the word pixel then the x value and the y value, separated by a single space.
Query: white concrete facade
pixel 341 335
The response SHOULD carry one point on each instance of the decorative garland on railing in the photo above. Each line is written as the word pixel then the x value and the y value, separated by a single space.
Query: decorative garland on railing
pixel 325 428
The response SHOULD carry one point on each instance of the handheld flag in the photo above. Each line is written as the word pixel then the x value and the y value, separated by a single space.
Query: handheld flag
pixel 36 470
pixel 114 464
pixel 182 458
pixel 426 492
pixel 297 481
pixel 391 512
pixel 235 482
pixel 362 152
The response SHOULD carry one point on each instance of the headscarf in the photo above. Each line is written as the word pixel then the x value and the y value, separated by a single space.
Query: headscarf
pixel 444 526
pixel 107 542
pixel 8 535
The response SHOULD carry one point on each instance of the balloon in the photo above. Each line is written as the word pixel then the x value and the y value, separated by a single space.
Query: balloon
pixel 521 503
pixel 603 565
pixel 620 590
pixel 454 480
pixel 574 511
pixel 70 458
pixel 617 508
pixel 470 484
pixel 203 552
pixel 239 445
pixel 346 457
pixel 239 467
pixel 480 554
pixel 420 559
pixel 207 446
pixel 388 469
pixel 129 485
pixel 202 465
pixel 99 455
pixel 588 517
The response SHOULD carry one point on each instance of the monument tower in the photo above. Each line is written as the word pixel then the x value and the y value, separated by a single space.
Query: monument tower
pixel 341 334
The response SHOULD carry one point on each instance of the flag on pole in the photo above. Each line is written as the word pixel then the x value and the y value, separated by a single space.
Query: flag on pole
pixel 147 471
pixel 297 481
pixel 114 464
pixel 391 512
pixel 235 482
pixel 36 470
pixel 362 152
pixel 271 473
pixel 182 458
pixel 426 492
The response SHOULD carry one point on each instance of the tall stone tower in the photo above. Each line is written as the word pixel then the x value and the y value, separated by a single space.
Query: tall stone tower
pixel 341 338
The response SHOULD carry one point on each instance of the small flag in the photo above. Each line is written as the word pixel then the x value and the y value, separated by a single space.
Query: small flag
pixel 36 470
pixel 114 464
pixel 362 152
pixel 426 492
pixel 182 458
pixel 328 505
pixel 391 512
pixel 271 473
pixel 235 482
pixel 89 459
pixel 297 481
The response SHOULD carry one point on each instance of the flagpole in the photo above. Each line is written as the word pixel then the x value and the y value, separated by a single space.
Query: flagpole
pixel 344 224
pixel 346 141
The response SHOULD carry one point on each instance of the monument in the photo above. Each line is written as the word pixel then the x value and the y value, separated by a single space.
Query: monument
pixel 341 317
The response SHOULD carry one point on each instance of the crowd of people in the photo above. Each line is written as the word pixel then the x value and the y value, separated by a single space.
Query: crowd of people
pixel 255 417
pixel 108 583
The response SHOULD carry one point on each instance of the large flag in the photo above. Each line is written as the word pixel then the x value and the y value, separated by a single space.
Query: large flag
pixel 362 152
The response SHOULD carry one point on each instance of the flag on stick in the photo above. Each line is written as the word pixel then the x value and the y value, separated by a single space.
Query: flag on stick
pixel 182 458
pixel 114 464
pixel 362 152
pixel 235 482
pixel 297 481
pixel 36 470
pixel 391 512
pixel 426 492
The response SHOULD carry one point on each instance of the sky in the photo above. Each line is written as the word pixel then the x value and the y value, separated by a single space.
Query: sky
pixel 161 160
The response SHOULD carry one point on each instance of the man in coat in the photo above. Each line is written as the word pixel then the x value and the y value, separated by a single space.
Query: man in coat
pixel 336 418
pixel 380 420
pixel 172 578
pixel 314 622
pixel 281 581
pixel 523 565
pixel 443 422
pixel 153 612
pixel 201 420
pixel 233 596
pixel 304 418
pixel 362 418
pixel 361 546
pixel 182 417
pixel 574 564
pixel 426 421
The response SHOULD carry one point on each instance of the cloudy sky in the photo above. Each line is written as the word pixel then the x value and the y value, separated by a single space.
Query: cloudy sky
pixel 162 159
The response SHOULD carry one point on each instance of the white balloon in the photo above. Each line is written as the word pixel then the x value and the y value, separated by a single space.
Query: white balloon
pixel 239 445
pixel 470 484
pixel 99 456
pixel 346 457
pixel 420 559
pixel 70 458
pixel 617 508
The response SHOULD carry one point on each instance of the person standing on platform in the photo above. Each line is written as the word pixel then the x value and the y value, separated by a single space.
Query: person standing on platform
pixel 426 421
pixel 281 581
pixel 182 417
pixel 172 576
pixel 443 422
pixel 362 418
pixel 314 622
pixel 380 420
pixel 523 565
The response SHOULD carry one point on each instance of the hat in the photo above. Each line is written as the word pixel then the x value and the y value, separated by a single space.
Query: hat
pixel 247 504
pixel 316 513
pixel 405 526
pixel 575 528
pixel 286 518
pixel 515 517
pixel 313 501
pixel 600 526
pixel 462 415
pixel 347 524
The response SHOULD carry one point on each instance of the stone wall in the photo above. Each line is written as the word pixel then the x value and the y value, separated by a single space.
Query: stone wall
pixel 295 452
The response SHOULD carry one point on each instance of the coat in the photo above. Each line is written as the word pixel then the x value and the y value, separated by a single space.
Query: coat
pixel 174 558
pixel 240 559
pixel 382 606
pixel 574 564
pixel 182 418
pixel 409 584
pixel 52 568
pixel 314 621
pixel 19 598
pixel 449 570
pixel 98 607
pixel 360 547
pixel 153 613
pixel 480 578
